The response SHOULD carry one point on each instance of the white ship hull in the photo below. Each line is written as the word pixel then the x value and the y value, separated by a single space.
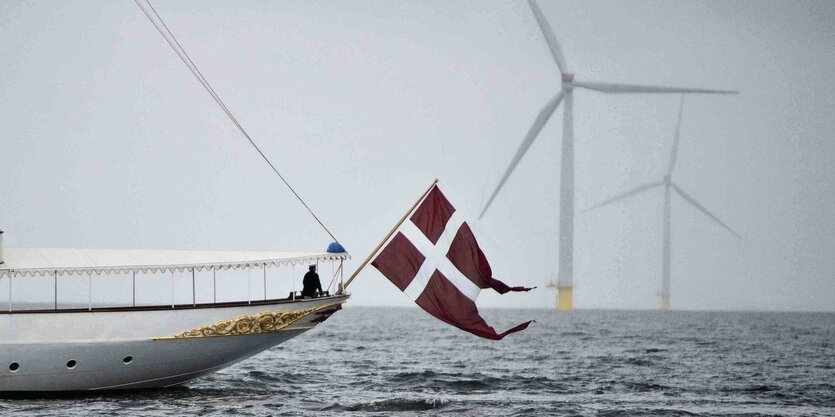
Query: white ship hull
pixel 151 348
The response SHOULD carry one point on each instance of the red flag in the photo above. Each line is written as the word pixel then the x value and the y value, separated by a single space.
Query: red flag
pixel 435 259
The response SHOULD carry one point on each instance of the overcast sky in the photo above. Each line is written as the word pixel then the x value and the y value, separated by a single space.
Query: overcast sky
pixel 107 141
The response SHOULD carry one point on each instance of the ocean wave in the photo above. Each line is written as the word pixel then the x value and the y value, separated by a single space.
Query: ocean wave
pixel 396 404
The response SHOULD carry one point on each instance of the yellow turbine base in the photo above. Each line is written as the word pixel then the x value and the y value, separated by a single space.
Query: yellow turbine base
pixel 565 298
pixel 665 302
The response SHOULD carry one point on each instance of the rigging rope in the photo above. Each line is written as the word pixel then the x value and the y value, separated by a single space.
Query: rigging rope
pixel 163 30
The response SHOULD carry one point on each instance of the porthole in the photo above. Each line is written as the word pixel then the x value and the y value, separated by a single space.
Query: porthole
pixel 127 359
pixel 14 366
pixel 71 364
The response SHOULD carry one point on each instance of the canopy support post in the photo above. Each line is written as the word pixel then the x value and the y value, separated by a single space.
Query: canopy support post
pixel 90 292
pixel 341 287
pixel 249 285
pixel 214 285
pixel 265 282
pixel 10 290
pixel 172 288
pixel 292 279
pixel 55 286
pixel 193 290
pixel 133 284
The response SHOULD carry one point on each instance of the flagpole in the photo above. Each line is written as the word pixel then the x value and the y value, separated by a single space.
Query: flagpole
pixel 391 232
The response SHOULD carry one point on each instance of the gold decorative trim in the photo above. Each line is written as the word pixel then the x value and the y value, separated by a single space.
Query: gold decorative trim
pixel 267 322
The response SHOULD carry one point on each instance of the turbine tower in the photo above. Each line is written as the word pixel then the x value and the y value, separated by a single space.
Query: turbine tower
pixel 668 184
pixel 565 275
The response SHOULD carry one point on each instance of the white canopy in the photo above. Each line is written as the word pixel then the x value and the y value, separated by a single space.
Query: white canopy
pixel 25 261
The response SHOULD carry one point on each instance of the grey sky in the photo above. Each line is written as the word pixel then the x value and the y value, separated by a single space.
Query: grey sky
pixel 108 141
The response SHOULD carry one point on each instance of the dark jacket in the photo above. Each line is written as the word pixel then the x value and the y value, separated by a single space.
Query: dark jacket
pixel 311 284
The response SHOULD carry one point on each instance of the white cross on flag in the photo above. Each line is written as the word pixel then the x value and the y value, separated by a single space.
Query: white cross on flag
pixel 434 258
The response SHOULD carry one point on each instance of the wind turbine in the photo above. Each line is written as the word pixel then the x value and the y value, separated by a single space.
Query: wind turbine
pixel 668 184
pixel 565 276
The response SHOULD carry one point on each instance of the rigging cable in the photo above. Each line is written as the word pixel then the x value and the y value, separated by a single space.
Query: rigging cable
pixel 163 30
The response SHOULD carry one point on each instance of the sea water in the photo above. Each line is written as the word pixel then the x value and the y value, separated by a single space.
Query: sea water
pixel 403 362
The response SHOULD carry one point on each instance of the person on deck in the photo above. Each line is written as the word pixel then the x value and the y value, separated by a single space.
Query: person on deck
pixel 310 283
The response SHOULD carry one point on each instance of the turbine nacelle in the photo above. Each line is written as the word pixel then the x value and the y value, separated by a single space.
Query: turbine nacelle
pixel 568 77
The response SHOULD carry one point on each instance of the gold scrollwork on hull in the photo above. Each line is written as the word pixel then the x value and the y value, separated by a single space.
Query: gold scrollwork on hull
pixel 252 324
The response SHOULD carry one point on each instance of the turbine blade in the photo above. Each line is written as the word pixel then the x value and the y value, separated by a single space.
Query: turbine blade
pixel 637 190
pixel 538 123
pixel 550 38
pixel 696 204
pixel 657 89
pixel 674 152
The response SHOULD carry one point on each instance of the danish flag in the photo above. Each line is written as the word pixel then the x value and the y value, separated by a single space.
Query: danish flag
pixel 435 260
